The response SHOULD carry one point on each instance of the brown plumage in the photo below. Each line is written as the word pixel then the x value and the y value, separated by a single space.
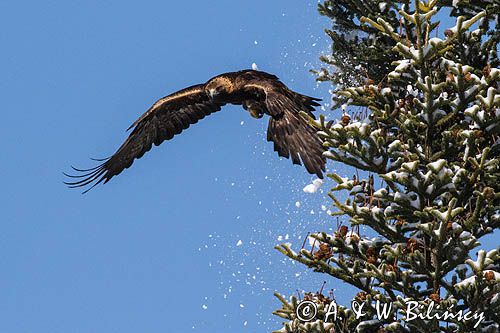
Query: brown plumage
pixel 258 92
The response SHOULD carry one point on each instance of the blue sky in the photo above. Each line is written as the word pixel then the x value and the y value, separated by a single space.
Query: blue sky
pixel 155 249
pixel 154 246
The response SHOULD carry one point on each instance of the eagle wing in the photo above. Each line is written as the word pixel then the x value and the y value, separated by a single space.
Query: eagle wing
pixel 295 138
pixel 292 135
pixel 167 117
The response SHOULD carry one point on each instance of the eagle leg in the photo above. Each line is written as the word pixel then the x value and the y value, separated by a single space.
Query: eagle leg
pixel 255 109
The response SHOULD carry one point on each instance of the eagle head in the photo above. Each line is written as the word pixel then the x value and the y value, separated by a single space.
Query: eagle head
pixel 218 87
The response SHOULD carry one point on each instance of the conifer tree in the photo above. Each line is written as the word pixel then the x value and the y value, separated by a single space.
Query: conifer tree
pixel 361 53
pixel 421 127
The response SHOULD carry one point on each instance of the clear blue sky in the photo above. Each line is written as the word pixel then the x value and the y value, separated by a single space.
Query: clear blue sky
pixel 155 250
pixel 149 249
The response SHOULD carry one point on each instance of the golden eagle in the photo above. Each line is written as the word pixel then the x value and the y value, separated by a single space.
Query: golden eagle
pixel 258 92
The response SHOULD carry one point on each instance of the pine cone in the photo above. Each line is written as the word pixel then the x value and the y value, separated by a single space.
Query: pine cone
pixel 435 297
pixel 346 119
pixel 489 275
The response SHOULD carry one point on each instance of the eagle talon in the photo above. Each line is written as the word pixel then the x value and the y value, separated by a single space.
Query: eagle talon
pixel 256 113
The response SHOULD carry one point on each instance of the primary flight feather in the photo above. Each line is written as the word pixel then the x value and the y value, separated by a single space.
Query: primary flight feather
pixel 258 92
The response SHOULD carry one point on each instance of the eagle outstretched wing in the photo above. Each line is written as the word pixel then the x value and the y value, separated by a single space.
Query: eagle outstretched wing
pixel 292 135
pixel 167 117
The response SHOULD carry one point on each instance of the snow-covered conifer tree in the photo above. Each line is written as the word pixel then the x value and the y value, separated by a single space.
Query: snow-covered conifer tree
pixel 421 127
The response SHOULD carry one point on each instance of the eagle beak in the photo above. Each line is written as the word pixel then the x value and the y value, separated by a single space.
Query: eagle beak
pixel 212 93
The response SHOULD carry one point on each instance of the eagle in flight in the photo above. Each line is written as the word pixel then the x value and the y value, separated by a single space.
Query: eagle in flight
pixel 258 92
